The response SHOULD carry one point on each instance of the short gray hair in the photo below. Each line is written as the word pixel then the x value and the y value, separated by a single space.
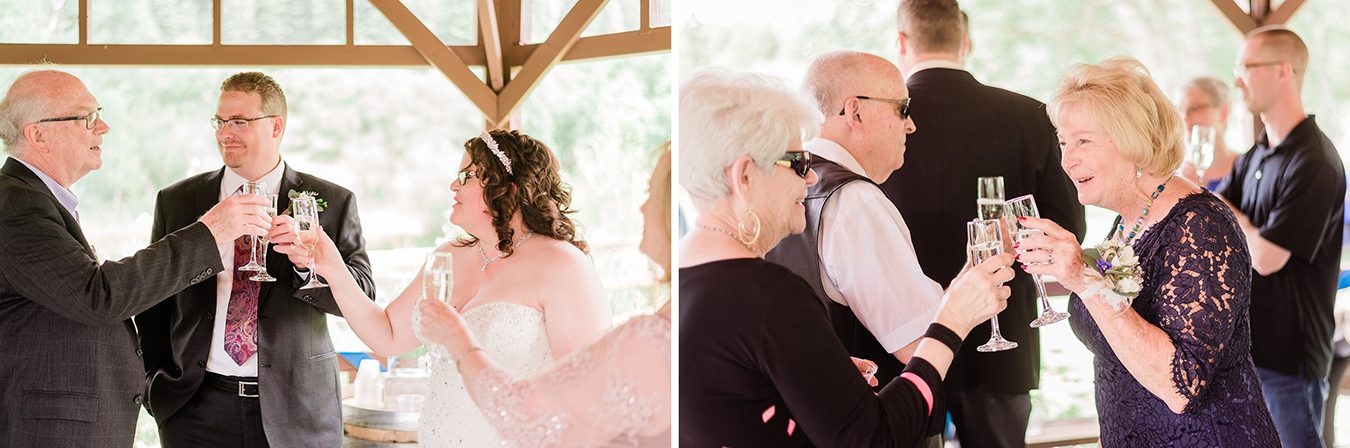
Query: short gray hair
pixel 831 74
pixel 724 116
pixel 20 107
pixel 1218 92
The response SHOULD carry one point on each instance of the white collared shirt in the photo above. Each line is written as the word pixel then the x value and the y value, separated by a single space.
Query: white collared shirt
pixel 934 63
pixel 868 262
pixel 217 360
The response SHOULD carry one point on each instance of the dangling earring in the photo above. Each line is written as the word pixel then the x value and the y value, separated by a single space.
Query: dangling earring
pixel 1138 173
pixel 753 231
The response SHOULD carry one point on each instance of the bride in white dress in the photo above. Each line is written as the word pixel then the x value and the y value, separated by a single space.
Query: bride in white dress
pixel 523 280
pixel 615 392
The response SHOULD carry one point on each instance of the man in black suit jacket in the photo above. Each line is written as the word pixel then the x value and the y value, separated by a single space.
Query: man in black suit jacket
pixel 233 362
pixel 70 375
pixel 968 130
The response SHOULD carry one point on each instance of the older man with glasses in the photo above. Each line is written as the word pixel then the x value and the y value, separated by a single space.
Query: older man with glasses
pixel 240 361
pixel 863 267
pixel 71 374
pixel 1287 193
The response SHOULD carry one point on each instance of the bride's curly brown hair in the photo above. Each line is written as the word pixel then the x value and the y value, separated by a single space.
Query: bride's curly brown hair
pixel 534 188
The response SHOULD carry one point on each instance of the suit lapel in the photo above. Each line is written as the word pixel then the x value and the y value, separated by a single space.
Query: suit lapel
pixel 278 264
pixel 18 170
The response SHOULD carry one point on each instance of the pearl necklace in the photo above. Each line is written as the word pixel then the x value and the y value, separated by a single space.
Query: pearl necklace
pixel 732 235
pixel 488 261
pixel 1138 223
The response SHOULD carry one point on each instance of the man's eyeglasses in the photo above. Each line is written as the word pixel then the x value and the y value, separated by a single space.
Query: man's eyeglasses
pixel 1242 70
pixel 798 161
pixel 89 120
pixel 464 176
pixel 901 106
pixel 235 124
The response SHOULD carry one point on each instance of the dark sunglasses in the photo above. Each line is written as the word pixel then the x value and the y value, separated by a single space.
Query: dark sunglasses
pixel 901 106
pixel 798 161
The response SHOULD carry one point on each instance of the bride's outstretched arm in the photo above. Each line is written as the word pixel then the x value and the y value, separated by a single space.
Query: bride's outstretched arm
pixel 617 388
pixel 388 331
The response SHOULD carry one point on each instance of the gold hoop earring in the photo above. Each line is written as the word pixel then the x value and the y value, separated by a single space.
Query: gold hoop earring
pixel 754 232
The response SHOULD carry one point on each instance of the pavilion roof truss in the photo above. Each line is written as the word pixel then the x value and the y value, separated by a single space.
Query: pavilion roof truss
pixel 1258 14
pixel 513 68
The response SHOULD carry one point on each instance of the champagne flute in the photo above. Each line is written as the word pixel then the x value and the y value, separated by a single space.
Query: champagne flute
pixel 989 197
pixel 1025 206
pixel 1201 143
pixel 984 240
pixel 254 188
pixel 262 275
pixel 436 277
pixel 307 220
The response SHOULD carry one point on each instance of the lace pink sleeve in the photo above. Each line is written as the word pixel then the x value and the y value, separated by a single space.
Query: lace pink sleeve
pixel 616 392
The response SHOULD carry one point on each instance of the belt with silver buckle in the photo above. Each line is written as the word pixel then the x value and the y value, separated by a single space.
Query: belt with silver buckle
pixel 245 387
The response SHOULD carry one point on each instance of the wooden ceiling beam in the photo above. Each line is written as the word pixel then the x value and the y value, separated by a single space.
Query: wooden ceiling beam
pixel 548 54
pixel 1281 16
pixel 490 37
pixel 82 17
pixel 227 55
pixel 215 22
pixel 1238 18
pixel 439 55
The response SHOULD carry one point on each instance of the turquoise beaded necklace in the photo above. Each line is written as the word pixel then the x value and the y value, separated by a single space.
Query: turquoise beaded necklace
pixel 1138 223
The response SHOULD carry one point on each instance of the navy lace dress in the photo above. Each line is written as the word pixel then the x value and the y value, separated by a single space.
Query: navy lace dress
pixel 1197 288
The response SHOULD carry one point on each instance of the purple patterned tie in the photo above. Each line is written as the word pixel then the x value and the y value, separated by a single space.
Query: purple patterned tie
pixel 241 320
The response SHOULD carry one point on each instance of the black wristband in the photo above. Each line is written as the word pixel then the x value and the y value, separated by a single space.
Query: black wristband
pixel 944 335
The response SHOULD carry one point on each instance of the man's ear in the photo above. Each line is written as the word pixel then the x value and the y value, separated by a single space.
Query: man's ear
pixel 36 137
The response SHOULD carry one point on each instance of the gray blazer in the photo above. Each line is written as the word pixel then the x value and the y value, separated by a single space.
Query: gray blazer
pixel 70 372
pixel 297 367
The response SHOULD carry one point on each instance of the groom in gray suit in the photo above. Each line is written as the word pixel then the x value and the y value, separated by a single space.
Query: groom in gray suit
pixel 240 363
pixel 69 369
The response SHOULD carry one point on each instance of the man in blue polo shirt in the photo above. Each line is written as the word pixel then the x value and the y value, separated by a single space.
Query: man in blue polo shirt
pixel 1287 194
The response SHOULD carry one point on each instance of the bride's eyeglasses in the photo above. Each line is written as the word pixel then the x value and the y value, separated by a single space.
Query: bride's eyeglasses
pixel 464 177
pixel 798 161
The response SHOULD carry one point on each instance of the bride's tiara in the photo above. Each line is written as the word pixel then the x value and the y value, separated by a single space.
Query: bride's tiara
pixel 501 155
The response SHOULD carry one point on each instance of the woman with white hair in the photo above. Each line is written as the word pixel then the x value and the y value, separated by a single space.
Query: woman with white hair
pixel 760 364
pixel 1173 366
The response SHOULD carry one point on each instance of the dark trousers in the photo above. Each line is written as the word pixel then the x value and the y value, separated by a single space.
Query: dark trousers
pixel 989 419
pixel 215 417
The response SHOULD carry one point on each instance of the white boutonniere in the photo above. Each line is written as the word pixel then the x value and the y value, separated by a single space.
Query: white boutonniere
pixel 1113 273
pixel 322 204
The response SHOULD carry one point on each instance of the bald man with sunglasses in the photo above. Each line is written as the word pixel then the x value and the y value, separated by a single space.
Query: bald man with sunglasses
pixel 856 250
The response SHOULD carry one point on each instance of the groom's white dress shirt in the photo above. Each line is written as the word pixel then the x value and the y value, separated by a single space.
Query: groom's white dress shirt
pixel 868 262
pixel 218 360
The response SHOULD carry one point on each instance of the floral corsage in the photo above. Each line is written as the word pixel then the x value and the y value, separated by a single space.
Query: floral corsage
pixel 318 201
pixel 1113 273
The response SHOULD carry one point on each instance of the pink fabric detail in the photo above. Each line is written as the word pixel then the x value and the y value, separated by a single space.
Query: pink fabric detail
pixel 241 318
pixel 768 413
pixel 922 387
pixel 792 426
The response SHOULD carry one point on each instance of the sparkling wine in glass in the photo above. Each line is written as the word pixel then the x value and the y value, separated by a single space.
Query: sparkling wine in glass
pixel 437 282
pixel 1025 207
pixel 262 241
pixel 989 197
pixel 984 240
pixel 253 188
pixel 1201 147
pixel 307 220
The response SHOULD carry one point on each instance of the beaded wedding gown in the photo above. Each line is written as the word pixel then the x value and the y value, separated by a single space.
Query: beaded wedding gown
pixel 614 392
pixel 513 336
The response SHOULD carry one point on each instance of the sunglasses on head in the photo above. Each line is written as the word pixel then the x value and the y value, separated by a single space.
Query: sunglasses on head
pixel 798 161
